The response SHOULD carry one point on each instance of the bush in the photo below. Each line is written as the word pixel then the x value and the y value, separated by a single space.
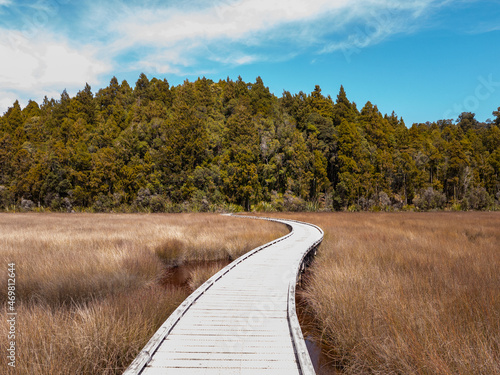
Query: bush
pixel 293 203
pixel 408 208
pixel 102 203
pixel 6 197
pixel 354 208
pixel 66 204
pixel 157 203
pixel 313 206
pixel 384 200
pixel 430 199
pixel 277 201
pixel 366 204
pixel 232 208
pixel 143 198
pixel 477 199
pixel 27 205
pixel 264 207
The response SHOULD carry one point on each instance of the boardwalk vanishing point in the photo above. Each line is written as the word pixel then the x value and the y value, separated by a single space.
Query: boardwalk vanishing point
pixel 242 320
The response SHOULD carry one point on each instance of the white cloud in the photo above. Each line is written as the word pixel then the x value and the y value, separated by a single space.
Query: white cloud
pixel 6 100
pixel 181 37
pixel 237 20
pixel 225 20
pixel 40 66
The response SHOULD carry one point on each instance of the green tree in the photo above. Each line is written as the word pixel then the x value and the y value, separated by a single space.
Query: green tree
pixel 141 91
pixel 346 187
pixel 456 170
pixel 467 121
pixel 343 108
pixel 12 119
pixel 240 175
pixel 497 117
pixel 84 105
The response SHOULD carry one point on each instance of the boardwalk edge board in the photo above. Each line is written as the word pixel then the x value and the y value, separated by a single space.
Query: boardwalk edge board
pixel 302 353
pixel 303 358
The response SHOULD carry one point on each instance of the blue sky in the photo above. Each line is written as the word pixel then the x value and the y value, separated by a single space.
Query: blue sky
pixel 424 59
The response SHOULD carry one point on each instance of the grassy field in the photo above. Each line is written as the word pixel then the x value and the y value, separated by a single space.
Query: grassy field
pixel 88 286
pixel 389 293
pixel 407 293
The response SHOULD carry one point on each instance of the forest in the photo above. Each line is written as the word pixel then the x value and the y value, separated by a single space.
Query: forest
pixel 232 146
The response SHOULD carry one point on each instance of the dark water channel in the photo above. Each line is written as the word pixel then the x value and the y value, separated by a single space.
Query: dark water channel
pixel 322 364
pixel 179 276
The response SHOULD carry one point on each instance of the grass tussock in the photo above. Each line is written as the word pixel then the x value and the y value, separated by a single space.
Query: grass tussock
pixel 88 286
pixel 99 337
pixel 206 242
pixel 199 275
pixel 171 250
pixel 408 293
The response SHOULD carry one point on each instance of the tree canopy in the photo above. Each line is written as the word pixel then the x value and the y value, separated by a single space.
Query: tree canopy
pixel 232 145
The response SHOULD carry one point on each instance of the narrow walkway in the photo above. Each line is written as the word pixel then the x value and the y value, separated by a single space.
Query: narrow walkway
pixel 242 320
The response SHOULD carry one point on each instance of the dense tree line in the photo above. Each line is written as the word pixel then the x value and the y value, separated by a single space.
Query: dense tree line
pixel 208 145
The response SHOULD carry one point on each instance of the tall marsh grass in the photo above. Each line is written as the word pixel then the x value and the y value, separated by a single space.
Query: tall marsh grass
pixel 407 293
pixel 88 289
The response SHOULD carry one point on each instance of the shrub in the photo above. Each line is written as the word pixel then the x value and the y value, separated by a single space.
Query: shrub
pixel 477 199
pixel 143 197
pixel 6 197
pixel 232 208
pixel 264 207
pixel 102 203
pixel 354 208
pixel 384 200
pixel 430 199
pixel 27 205
pixel 293 203
pixel 157 203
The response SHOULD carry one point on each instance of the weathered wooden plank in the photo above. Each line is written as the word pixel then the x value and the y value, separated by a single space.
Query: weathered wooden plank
pixel 160 362
pixel 218 371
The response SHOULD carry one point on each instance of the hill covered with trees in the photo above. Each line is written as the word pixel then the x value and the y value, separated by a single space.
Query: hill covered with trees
pixel 205 146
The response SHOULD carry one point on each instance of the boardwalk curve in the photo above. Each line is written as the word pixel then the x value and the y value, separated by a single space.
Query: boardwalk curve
pixel 243 319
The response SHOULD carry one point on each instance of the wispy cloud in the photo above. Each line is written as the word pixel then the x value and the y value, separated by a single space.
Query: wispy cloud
pixel 178 37
pixel 227 20
pixel 67 44
pixel 483 28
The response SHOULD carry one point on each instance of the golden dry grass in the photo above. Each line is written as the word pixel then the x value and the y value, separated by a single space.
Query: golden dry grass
pixel 199 275
pixel 88 286
pixel 408 293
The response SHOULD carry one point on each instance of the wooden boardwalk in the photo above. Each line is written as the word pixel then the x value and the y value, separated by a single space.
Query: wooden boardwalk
pixel 242 320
